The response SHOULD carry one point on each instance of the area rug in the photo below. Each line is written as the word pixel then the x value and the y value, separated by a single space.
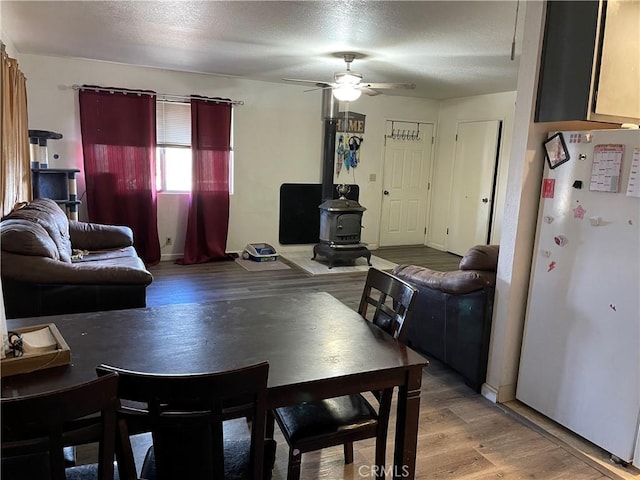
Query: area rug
pixel 320 266
pixel 252 266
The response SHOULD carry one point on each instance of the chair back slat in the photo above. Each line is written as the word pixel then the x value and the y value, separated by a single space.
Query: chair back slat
pixel 391 297
pixel 185 413
pixel 45 423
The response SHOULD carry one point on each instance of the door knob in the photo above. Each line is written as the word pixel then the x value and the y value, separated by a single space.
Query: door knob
pixel 485 200
pixel 386 192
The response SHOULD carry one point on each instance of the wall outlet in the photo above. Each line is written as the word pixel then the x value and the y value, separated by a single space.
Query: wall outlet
pixel 169 241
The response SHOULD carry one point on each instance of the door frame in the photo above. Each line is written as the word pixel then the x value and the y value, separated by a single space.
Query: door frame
pixel 388 122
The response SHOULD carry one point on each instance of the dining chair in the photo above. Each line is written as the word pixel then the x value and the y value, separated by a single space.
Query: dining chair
pixel 36 428
pixel 185 415
pixel 317 424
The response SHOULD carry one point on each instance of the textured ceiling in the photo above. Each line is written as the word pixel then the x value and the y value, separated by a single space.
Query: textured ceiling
pixel 447 48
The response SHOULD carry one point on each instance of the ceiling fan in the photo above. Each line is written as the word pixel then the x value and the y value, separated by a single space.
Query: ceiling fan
pixel 347 86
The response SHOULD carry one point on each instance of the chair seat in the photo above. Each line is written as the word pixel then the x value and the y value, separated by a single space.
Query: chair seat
pixel 236 460
pixel 310 421
pixel 86 472
pixel 34 467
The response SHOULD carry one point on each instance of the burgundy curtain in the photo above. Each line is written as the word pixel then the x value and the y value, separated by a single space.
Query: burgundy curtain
pixel 208 222
pixel 119 146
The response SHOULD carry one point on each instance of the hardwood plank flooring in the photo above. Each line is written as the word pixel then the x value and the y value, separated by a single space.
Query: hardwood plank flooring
pixel 227 280
pixel 461 434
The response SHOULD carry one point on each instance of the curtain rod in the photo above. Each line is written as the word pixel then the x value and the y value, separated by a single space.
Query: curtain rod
pixel 161 96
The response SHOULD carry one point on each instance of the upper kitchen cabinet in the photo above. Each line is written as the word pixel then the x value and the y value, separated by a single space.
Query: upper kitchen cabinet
pixel 590 66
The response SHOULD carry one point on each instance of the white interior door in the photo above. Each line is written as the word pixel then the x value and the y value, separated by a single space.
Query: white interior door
pixel 472 186
pixel 407 165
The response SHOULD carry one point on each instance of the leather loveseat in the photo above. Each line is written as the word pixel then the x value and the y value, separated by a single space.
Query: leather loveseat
pixel 451 318
pixel 51 265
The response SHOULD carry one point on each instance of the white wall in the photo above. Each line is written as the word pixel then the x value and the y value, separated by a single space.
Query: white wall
pixel 277 139
pixel 499 106
pixel 10 48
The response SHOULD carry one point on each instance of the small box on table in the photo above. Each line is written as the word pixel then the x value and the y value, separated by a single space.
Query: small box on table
pixel 60 354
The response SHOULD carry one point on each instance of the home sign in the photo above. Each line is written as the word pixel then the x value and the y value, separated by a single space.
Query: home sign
pixel 350 122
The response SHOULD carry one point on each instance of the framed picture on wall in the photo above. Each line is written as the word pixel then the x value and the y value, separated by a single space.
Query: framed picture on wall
pixel 555 150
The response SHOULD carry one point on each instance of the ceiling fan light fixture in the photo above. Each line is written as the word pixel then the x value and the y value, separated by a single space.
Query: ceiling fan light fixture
pixel 348 78
pixel 347 93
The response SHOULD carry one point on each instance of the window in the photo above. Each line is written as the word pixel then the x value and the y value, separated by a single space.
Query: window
pixel 173 136
pixel 173 156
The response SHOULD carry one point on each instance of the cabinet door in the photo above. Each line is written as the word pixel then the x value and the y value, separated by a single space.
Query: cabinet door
pixel 619 79
pixel 566 66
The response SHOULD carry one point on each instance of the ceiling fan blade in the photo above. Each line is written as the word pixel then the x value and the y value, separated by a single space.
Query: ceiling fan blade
pixel 389 86
pixel 370 91
pixel 314 82
pixel 318 88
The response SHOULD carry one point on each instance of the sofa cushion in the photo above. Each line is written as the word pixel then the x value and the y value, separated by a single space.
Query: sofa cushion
pixel 115 271
pixel 100 255
pixel 481 257
pixel 52 218
pixel 95 236
pixel 27 238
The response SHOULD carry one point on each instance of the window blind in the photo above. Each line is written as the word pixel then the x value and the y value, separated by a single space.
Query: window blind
pixel 173 124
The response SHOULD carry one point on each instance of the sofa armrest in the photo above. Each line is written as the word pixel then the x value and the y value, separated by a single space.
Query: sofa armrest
pixel 481 257
pixel 23 237
pixel 96 236
pixel 456 282
pixel 43 270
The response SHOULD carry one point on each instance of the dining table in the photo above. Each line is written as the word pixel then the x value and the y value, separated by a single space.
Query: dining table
pixel 317 347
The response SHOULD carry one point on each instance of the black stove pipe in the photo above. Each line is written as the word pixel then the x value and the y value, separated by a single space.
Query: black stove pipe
pixel 330 119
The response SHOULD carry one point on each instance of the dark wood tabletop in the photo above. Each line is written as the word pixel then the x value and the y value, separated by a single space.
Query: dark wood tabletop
pixel 316 347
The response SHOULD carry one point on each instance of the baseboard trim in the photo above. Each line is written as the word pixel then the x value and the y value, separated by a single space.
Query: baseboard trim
pixel 490 393
pixel 505 393
pixel 167 257
pixel 437 246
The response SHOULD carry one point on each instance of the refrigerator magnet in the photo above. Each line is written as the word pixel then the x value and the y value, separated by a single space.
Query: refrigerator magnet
pixel 555 150
pixel 560 240
pixel 548 187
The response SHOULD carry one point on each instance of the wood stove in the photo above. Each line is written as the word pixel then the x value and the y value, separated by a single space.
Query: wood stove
pixel 340 230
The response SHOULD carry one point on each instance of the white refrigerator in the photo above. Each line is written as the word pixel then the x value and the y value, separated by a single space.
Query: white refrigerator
pixel 580 360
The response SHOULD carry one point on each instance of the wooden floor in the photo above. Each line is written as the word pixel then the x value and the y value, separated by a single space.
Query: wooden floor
pixel 226 280
pixel 461 434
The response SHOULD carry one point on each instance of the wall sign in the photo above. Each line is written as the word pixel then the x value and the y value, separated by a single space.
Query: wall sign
pixel 351 122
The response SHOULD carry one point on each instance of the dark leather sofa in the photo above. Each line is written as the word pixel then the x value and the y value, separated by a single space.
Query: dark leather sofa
pixel 451 318
pixel 51 265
